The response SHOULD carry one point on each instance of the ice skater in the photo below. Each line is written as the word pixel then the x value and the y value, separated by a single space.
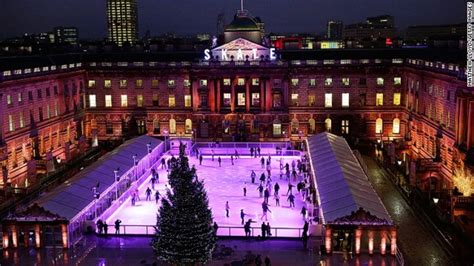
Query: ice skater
pixel 219 160
pixel 227 209
pixel 242 215
pixel 251 152
pixel 303 213
pixel 236 154
pixel 253 175
pixel 290 189
pixel 262 162
pixel 163 163
pixel 265 210
pixel 157 196
pixel 258 150
pixel 137 194
pixel 212 151
pixel 232 159
pixel 148 194
pixel 277 200
pixel 260 190
pixel 266 195
pixel 200 159
pixel 291 199
pixel 245 189
pixel 262 178
pixel 276 188
pixel 134 198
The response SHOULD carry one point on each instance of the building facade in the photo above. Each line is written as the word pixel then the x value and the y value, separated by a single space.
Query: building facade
pixel 334 30
pixel 122 21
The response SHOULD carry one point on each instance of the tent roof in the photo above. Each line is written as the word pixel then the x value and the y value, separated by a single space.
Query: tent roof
pixel 75 194
pixel 342 185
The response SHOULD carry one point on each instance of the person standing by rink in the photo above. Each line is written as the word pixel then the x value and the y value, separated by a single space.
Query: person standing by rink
pixel 303 213
pixel 117 226
pixel 148 194
pixel 253 175
pixel 251 152
pixel 232 159
pixel 219 161
pixel 227 209
pixel 264 230
pixel 258 150
pixel 157 196
pixel 200 159
pixel 245 189
pixel 291 199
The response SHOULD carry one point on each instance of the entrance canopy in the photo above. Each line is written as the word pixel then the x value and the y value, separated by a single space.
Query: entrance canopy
pixel 344 192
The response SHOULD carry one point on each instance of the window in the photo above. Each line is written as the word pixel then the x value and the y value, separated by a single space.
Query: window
pixel 107 84
pixel 154 83
pixel 171 100
pixel 276 129
pixel 187 100
pixel 378 126
pixel 92 101
pixel 123 100
pixel 311 100
pixel 172 125
pixel 255 99
pixel 48 93
pixel 11 123
pixel 20 97
pixel 56 108
pixel 187 83
pixel 108 100
pixel 396 98
pixel 171 83
pixel 30 95
pixel 345 82
pixel 123 83
pixel 396 126
pixel 109 127
pixel 328 82
pixel 9 99
pixel 328 124
pixel 91 83
pixel 140 100
pixel 312 82
pixel 379 99
pixel 241 99
pixel 40 95
pixel 294 99
pixel 380 81
pixel 40 113
pixel 276 100
pixel 48 112
pixel 226 100
pixel 255 82
pixel 328 100
pixel 155 100
pixel 22 122
pixel 295 82
pixel 345 127
pixel 188 126
pixel 345 99
pixel 203 82
pixel 240 82
pixel 139 83
pixel 397 81
pixel 362 97
pixel 226 82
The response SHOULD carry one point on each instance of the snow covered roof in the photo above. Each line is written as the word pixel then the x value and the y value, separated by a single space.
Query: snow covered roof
pixel 75 194
pixel 343 187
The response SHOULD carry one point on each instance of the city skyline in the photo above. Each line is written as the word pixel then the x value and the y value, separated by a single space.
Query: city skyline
pixel 90 16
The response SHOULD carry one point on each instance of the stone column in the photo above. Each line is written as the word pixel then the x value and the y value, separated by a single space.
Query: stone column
pixel 268 95
pixel 14 236
pixel 393 247
pixel 371 242
pixel 218 96
pixel 383 242
pixel 247 94
pixel 64 235
pixel 358 235
pixel 37 236
pixel 195 94
pixel 328 240
pixel 232 95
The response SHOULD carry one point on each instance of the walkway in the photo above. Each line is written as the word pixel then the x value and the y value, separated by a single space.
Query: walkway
pixel 414 240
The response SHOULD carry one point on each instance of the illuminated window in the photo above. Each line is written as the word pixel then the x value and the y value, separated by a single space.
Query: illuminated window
pixel 345 126
pixel 124 100
pixel 171 100
pixel 311 100
pixel 203 82
pixel 187 100
pixel 312 82
pixel 294 99
pixel 378 126
pixel 380 81
pixel 276 129
pixel 91 83
pixel 328 124
pixel 11 123
pixel 155 83
pixel 48 112
pixel 328 82
pixel 139 83
pixel 107 84
pixel 155 99
pixel 108 100
pixel 188 126
pixel 123 83
pixel 328 100
pixel 241 99
pixel 379 99
pixel 255 82
pixel 139 100
pixel 92 101
pixel 240 82
pixel 187 83
pixel 295 82
pixel 171 83
pixel 9 99
pixel 226 99
pixel 172 126
pixel 255 99
pixel 56 108
pixel 396 126
pixel 397 81
pixel 22 122
pixel 226 82
pixel 20 97
pixel 396 98
pixel 345 82
pixel 345 100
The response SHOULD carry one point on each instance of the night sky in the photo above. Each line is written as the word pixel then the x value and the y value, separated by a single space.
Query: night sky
pixel 193 16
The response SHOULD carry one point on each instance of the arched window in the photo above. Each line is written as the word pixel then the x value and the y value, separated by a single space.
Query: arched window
pixel 172 126
pixel 156 126
pixel 312 126
pixel 378 126
pixel 188 126
pixel 328 124
pixel 294 126
pixel 276 128
pixel 396 126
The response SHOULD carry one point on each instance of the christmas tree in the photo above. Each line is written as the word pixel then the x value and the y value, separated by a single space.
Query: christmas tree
pixel 184 233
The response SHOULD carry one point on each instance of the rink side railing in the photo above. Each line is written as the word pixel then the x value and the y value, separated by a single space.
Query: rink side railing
pixel 228 231
pixel 243 148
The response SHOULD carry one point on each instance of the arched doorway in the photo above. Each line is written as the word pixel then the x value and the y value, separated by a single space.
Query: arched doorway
pixel 328 124
pixel 312 126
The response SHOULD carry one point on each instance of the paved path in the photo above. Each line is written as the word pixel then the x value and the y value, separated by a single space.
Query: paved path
pixel 415 242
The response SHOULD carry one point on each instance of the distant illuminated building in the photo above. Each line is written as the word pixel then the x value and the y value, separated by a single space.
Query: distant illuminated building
pixel 67 35
pixel 334 30
pixel 122 21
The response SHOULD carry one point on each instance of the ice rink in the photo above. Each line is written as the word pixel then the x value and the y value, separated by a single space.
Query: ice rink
pixel 223 184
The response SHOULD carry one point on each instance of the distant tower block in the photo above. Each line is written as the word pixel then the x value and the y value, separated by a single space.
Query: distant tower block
pixel 122 21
